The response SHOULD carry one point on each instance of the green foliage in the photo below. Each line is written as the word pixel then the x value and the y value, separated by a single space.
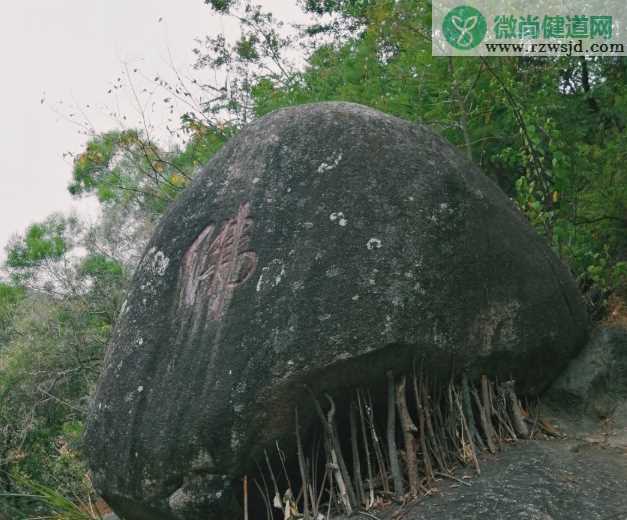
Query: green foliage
pixel 10 297
pixel 51 500
pixel 203 144
pixel 221 6
pixel 348 8
pixel 54 330
pixel 119 167
pixel 259 53
pixel 48 367
pixel 93 168
pixel 603 271
pixel 125 168
pixel 99 266
pixel 45 241
pixel 40 257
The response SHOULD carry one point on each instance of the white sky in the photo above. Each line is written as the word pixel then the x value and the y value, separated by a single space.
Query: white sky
pixel 71 51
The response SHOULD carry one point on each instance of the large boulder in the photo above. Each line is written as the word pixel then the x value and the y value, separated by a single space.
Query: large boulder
pixel 322 246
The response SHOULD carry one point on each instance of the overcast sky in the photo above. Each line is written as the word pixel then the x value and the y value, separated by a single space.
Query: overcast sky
pixel 68 53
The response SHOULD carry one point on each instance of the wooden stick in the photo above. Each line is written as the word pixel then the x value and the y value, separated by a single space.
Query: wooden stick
pixel 453 477
pixel 426 457
pixel 488 411
pixel 364 433
pixel 452 423
pixel 518 418
pixel 470 415
pixel 433 414
pixel 335 439
pixel 367 515
pixel 274 482
pixel 319 499
pixel 335 464
pixel 303 468
pixel 486 426
pixel 409 432
pixel 266 499
pixel 464 427
pixel 322 488
pixel 359 483
pixel 395 469
pixel 376 443
pixel 282 459
pixel 502 414
pixel 332 489
pixel 245 497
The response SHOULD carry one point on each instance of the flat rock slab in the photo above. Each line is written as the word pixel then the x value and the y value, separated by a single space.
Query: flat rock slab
pixel 536 480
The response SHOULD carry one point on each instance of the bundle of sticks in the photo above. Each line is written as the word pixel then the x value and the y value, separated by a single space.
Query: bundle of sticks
pixel 427 431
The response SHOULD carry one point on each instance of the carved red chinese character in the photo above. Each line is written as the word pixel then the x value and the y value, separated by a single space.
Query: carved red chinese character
pixel 214 267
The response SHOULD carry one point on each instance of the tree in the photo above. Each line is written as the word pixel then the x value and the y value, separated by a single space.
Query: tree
pixel 57 316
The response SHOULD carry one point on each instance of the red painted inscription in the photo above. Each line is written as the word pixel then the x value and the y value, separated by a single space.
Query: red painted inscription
pixel 214 266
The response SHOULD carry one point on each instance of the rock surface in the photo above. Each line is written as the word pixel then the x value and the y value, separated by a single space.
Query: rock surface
pixel 537 480
pixel 596 379
pixel 323 245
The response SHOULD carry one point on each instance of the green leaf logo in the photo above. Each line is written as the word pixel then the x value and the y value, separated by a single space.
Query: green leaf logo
pixel 464 27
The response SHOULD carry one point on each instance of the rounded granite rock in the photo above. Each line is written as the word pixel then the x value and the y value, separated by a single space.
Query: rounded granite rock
pixel 322 246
